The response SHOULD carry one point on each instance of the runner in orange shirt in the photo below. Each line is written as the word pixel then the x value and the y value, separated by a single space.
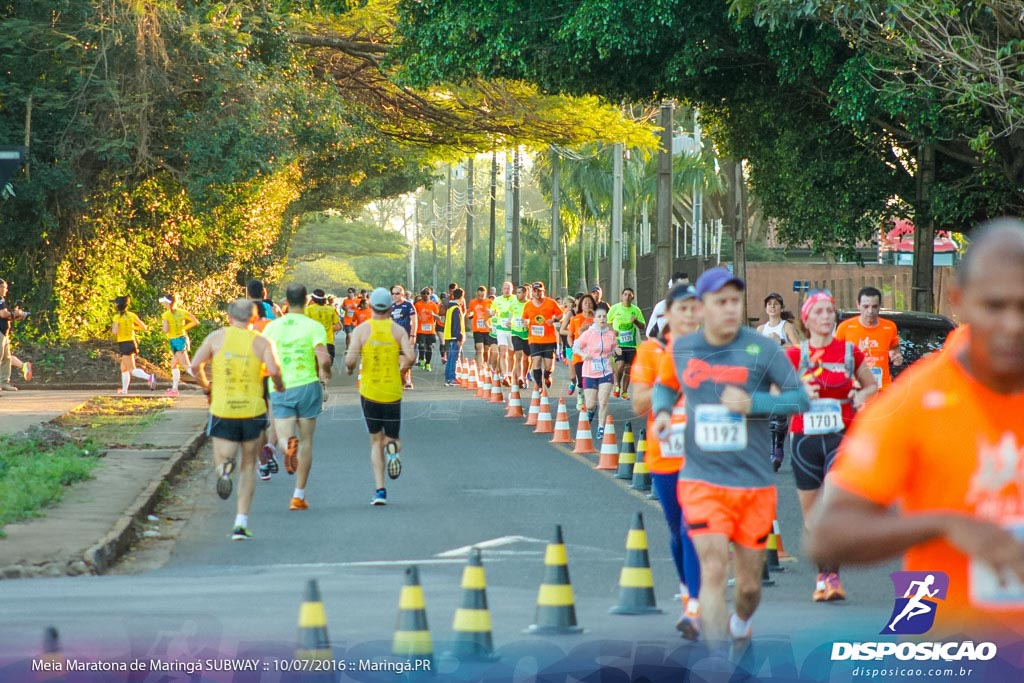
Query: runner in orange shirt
pixel 875 336
pixel 946 444
pixel 682 314
pixel 427 316
pixel 478 319
pixel 348 313
pixel 542 313
pixel 363 312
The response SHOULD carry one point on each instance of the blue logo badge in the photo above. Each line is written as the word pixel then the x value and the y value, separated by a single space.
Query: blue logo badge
pixel 917 600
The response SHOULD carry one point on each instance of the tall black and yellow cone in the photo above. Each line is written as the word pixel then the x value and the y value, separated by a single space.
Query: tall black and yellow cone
pixel 314 644
pixel 766 578
pixel 627 456
pixel 636 582
pixel 52 658
pixel 472 623
pixel 556 605
pixel 412 635
pixel 771 554
pixel 641 475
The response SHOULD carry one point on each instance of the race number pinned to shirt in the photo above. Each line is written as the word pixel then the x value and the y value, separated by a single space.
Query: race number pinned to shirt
pixel 626 337
pixel 600 365
pixel 824 417
pixel 537 330
pixel 481 324
pixel 675 445
pixel 427 327
pixel 718 430
pixel 987 590
pixel 877 372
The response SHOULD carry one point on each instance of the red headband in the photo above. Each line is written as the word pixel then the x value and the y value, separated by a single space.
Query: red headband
pixel 805 310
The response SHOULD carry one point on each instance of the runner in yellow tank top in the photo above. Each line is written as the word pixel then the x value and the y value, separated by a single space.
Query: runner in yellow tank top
pixel 385 350
pixel 238 413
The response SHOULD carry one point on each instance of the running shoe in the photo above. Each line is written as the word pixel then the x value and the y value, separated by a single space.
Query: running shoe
pixel 834 587
pixel 615 391
pixel 122 392
pixel 689 621
pixel 224 483
pixel 625 395
pixel 291 455
pixel 26 371
pixel 171 392
pixel 777 455
pixel 380 497
pixel 571 390
pixel 391 450
pixel 298 504
pixel 408 385
pixel 264 472
pixel 547 381
pixel 740 641
pixel 240 533
pixel 151 381
pixel 272 465
pixel 819 589
pixel 426 366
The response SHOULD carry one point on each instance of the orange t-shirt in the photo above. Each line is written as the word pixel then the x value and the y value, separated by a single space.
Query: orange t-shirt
pixel 540 331
pixel 480 309
pixel 956 339
pixel 644 371
pixel 362 315
pixel 425 312
pixel 348 310
pixel 576 328
pixel 875 342
pixel 939 441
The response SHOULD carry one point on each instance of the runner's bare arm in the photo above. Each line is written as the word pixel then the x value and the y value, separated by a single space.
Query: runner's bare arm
pixel 265 351
pixel 203 356
pixel 165 325
pixel 190 322
pixel 408 357
pixel 868 386
pixel 323 358
pixel 791 333
pixel 355 348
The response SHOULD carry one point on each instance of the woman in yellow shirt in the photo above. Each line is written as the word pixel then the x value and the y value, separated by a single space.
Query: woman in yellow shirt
pixel 176 323
pixel 125 325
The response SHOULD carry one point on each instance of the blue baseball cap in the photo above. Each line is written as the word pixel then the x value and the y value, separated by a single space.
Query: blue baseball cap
pixel 713 280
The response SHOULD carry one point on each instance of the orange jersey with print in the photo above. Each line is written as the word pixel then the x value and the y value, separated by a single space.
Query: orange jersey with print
pixel 362 315
pixel 875 342
pixel 644 372
pixel 577 325
pixel 425 312
pixel 540 331
pixel 480 309
pixel 348 310
pixel 939 441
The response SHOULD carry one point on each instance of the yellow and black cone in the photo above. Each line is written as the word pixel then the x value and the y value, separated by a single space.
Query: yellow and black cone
pixel 627 455
pixel 472 623
pixel 556 605
pixel 766 577
pixel 771 554
pixel 636 582
pixel 52 658
pixel 641 474
pixel 412 635
pixel 314 644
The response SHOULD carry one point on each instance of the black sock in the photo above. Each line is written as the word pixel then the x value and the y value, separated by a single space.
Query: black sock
pixel 538 376
pixel 428 354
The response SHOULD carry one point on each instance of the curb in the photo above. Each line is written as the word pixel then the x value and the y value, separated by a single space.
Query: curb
pixel 101 556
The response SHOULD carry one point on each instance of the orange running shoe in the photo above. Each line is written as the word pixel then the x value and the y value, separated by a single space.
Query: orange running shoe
pixel 298 504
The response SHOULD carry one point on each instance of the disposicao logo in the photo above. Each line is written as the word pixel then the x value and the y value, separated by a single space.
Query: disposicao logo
pixel 917 600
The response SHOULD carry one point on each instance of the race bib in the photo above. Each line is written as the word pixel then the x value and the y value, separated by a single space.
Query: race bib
pixel 537 330
pixel 519 323
pixel 675 446
pixel 626 337
pixel 877 372
pixel 427 327
pixel 600 365
pixel 985 590
pixel 824 417
pixel 719 430
pixel 481 324
pixel 506 322
pixel 350 312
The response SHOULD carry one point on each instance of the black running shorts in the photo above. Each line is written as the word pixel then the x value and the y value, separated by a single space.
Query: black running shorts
pixel 238 430
pixel 386 417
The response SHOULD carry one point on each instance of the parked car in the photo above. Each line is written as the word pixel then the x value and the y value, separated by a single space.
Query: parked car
pixel 920 333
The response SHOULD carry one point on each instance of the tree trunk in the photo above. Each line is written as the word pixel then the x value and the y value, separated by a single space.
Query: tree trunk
pixel 924 233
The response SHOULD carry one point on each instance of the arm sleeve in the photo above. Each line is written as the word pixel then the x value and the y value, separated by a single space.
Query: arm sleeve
pixel 666 389
pixel 792 397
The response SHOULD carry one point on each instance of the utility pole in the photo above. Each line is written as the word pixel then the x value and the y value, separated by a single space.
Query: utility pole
pixel 556 226
pixel 494 209
pixel 516 170
pixel 615 253
pixel 508 218
pixel 663 243
pixel 923 298
pixel 469 221
pixel 739 217
pixel 448 224
pixel 698 192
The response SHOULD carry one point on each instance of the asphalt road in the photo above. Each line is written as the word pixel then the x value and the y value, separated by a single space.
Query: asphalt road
pixel 471 477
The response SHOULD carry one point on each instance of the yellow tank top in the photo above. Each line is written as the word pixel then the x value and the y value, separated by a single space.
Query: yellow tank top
pixel 237 377
pixel 381 380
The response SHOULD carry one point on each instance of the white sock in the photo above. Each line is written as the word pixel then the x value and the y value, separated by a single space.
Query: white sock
pixel 242 520
pixel 300 494
pixel 738 627
pixel 188 369
pixel 684 592
pixel 175 378
pixel 140 373
pixel 126 379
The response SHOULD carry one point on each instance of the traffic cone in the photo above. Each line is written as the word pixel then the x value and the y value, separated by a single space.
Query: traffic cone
pixel 766 578
pixel 609 457
pixel 771 554
pixel 562 424
pixel 627 456
pixel 484 379
pixel 783 555
pixel 412 635
pixel 636 582
pixel 515 403
pixel 544 425
pixel 531 417
pixel 641 475
pixel 584 439
pixel 52 658
pixel 460 378
pixel 314 645
pixel 556 608
pixel 496 395
pixel 472 623
pixel 472 385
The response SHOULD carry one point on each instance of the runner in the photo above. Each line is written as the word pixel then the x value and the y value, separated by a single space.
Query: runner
pixel 682 315
pixel 238 413
pixel 777 328
pixel 125 325
pixel 427 317
pixel 176 324
pixel 319 310
pixel 542 314
pixel 628 320
pixel 520 336
pixel 502 306
pixel 568 305
pixel 830 367
pixel 265 312
pixel 944 444
pixel 875 336
pixel 454 335
pixel 658 321
pixel 579 323
pixel 7 359
pixel 478 319
pixel 386 351
pixel 404 313
pixel 726 372
pixel 301 347
pixel 596 345
pixel 363 311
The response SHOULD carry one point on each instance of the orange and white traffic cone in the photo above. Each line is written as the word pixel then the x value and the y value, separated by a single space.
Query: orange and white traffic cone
pixel 496 395
pixel 562 424
pixel 484 378
pixel 777 531
pixel 460 378
pixel 544 425
pixel 609 457
pixel 531 417
pixel 472 386
pixel 584 439
pixel 515 403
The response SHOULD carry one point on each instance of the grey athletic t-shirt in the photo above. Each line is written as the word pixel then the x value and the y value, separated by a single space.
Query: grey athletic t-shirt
pixel 725 448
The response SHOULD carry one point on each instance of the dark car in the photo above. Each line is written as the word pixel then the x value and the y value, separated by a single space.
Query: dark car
pixel 920 333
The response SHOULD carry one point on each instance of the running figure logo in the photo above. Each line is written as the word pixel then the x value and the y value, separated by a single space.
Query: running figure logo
pixel 917 599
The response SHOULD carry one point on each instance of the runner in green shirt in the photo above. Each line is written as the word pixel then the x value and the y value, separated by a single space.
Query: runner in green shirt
pixel 501 362
pixel 628 322
pixel 520 334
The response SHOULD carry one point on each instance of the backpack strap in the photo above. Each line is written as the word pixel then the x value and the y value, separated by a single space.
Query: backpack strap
pixel 805 358
pixel 848 361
